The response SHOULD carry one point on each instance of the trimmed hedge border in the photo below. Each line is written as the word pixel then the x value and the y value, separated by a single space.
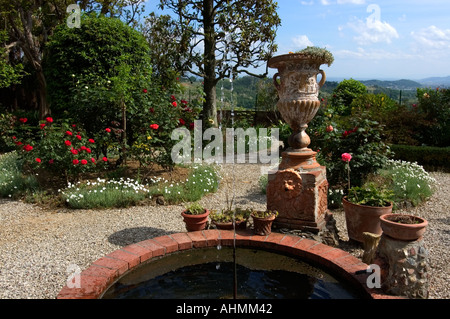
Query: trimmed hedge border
pixel 431 157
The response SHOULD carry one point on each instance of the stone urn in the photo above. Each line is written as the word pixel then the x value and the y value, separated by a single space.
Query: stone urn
pixel 298 91
pixel 297 188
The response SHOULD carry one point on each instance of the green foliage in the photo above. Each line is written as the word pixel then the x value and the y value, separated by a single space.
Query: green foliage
pixel 202 180
pixel 428 156
pixel 370 195
pixel 264 213
pixel 93 71
pixel 409 182
pixel 195 209
pixel 319 54
pixel 13 182
pixel 435 104
pixel 360 137
pixel 103 193
pixel 58 146
pixel 344 94
pixel 9 74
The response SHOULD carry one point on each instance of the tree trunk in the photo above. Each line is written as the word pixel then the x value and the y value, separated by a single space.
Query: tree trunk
pixel 44 108
pixel 209 106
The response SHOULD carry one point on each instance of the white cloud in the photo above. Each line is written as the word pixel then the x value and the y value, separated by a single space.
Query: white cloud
pixel 301 41
pixel 432 38
pixel 372 31
pixel 351 1
pixel 372 54
pixel 325 2
pixel 307 3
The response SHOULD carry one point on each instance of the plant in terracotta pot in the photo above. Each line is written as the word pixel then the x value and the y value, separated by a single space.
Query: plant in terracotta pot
pixel 403 226
pixel 224 219
pixel 195 217
pixel 262 221
pixel 363 207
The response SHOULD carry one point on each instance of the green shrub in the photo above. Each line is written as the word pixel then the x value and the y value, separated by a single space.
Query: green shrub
pixel 427 156
pixel 344 94
pixel 409 182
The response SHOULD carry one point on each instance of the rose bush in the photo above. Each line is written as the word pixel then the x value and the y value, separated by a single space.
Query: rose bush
pixel 61 148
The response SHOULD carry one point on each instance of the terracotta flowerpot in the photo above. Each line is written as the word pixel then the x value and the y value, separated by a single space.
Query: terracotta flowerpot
pixel 362 218
pixel 195 222
pixel 403 231
pixel 262 225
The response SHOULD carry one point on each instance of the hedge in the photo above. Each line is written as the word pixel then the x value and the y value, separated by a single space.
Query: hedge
pixel 427 156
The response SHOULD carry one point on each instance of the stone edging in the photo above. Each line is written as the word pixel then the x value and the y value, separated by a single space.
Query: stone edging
pixel 105 271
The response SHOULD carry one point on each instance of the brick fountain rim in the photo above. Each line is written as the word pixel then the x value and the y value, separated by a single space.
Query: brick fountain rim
pixel 97 278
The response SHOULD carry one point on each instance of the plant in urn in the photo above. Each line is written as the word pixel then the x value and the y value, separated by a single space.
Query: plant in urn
pixel 299 198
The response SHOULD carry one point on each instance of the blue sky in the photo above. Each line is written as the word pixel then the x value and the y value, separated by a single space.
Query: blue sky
pixel 369 39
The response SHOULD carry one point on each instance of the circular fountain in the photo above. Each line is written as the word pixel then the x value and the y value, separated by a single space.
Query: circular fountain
pixel 161 257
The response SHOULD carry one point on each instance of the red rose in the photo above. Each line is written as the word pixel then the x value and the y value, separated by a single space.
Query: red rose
pixel 346 157
pixel 38 160
pixel 68 143
pixel 27 147
pixel 192 125
pixel 152 110
pixel 74 151
pixel 14 137
pixel 83 148
pixel 19 143
pixel 182 122
pixel 75 162
pixel 49 119
pixel 91 140
pixel 105 159
pixel 172 97
pixel 78 137
pixel 329 128
pixel 93 160
pixel 84 162
pixel 88 150
pixel 174 104
pixel 108 130
pixel 144 90
pixel 23 119
pixel 51 161
pixel 69 133
pixel 42 125
pixel 184 102
pixel 73 125
pixel 154 126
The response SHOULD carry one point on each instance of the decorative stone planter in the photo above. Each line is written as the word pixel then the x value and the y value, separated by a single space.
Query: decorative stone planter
pixel 361 218
pixel 263 225
pixel 298 188
pixel 240 224
pixel 195 222
pixel 403 231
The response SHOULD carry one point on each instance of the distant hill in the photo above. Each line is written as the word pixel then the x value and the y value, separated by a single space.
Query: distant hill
pixel 436 81
pixel 396 85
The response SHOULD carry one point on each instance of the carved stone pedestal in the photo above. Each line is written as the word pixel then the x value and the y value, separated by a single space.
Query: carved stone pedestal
pixel 298 191
pixel 403 266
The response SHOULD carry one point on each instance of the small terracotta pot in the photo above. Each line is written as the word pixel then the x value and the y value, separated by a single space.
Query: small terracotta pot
pixel 262 225
pixel 362 218
pixel 401 231
pixel 195 222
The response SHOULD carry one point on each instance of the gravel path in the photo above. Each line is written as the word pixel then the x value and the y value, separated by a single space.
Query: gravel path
pixel 38 245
